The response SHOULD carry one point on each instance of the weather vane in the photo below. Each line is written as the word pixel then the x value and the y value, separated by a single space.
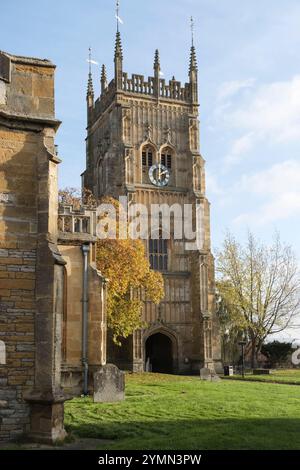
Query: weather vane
pixel 91 61
pixel 119 20
pixel 192 29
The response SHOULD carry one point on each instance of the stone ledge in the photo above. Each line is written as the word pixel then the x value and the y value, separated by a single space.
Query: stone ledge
pixel 34 123
pixel 19 59
pixel 46 398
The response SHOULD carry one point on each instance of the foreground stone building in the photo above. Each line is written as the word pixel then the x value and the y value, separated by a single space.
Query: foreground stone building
pixel 83 286
pixel 135 128
pixel 47 340
pixel 31 266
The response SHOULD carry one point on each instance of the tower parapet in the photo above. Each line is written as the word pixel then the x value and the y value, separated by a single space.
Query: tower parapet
pixel 154 87
pixel 168 90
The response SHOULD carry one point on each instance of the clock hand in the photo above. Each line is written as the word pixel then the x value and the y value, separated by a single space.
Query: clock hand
pixel 159 172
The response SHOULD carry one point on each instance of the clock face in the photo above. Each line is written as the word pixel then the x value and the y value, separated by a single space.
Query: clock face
pixel 159 175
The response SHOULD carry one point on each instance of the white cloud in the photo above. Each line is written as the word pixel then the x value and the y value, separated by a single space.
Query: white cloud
pixel 270 112
pixel 282 207
pixel 266 114
pixel 279 178
pixel 229 89
pixel 239 148
pixel 281 185
pixel 212 184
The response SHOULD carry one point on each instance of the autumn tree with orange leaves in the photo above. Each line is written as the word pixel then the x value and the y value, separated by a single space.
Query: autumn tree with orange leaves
pixel 125 264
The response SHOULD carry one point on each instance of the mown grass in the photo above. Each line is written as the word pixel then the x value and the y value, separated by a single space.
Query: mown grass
pixel 289 376
pixel 167 412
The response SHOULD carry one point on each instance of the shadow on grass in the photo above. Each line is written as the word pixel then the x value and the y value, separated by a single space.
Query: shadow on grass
pixel 203 434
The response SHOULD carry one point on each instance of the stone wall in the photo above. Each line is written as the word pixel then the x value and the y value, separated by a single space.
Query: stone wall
pixel 30 264
pixel 77 229
pixel 17 332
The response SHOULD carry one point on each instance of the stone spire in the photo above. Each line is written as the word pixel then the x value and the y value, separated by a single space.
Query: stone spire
pixel 118 47
pixel 156 73
pixel 90 89
pixel 193 61
pixel 156 63
pixel 193 70
pixel 103 79
pixel 118 61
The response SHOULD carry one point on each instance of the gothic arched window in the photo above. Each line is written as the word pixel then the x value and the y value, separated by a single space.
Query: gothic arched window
pixel 204 287
pixel 77 225
pixel 166 158
pixel 85 225
pixel 147 156
pixel 158 254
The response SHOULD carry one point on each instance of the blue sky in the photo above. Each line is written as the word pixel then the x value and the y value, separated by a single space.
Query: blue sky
pixel 249 73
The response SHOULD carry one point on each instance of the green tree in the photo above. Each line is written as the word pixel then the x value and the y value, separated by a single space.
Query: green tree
pixel 276 351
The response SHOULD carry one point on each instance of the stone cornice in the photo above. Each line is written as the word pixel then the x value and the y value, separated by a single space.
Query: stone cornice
pixel 18 59
pixel 53 158
pixel 29 123
pixel 166 190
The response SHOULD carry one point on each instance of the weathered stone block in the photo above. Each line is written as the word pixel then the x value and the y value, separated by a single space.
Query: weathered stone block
pixel 47 422
pixel 2 353
pixel 43 87
pixel 205 374
pixel 23 84
pixel 109 384
pixel 11 261
pixel 25 284
pixel 209 375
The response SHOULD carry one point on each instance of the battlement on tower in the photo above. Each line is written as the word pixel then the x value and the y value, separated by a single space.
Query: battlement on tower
pixel 153 88
pixel 137 84
pixel 173 90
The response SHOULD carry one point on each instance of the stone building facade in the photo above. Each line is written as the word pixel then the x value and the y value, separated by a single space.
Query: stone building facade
pixel 77 245
pixel 31 268
pixel 136 128
pixel 44 301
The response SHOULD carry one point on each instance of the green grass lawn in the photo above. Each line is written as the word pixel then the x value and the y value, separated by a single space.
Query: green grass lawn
pixel 291 376
pixel 169 412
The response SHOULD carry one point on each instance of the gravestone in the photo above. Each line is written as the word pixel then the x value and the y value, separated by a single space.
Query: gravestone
pixel 215 378
pixel 208 374
pixel 109 384
pixel 205 374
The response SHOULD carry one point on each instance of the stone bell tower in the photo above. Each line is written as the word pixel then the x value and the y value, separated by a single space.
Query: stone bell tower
pixel 143 143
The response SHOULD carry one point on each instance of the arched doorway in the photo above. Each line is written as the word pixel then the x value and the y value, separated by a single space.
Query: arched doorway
pixel 159 354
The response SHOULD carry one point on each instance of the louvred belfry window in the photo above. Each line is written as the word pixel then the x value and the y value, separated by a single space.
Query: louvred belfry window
pixel 158 254
pixel 166 159
pixel 147 157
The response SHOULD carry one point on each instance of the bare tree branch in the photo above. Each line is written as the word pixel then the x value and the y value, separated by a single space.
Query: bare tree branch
pixel 260 284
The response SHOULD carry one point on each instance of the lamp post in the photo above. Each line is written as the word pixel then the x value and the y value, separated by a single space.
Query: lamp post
pixel 243 344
